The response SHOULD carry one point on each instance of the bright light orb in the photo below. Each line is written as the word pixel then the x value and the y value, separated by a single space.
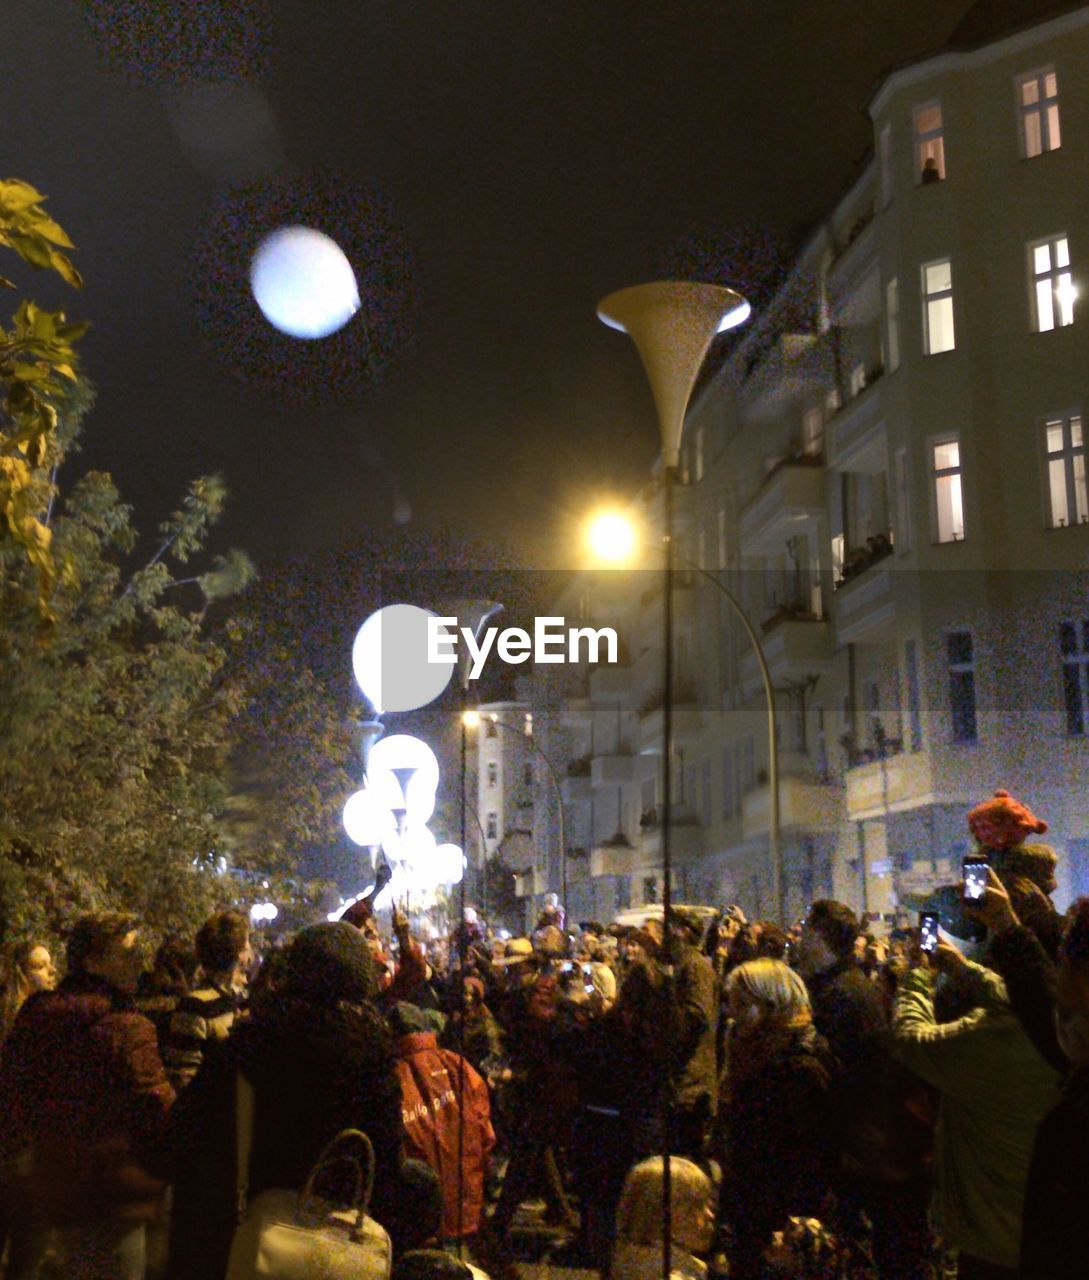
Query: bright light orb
pixel 451 863
pixel 612 537
pixel 404 751
pixel 366 819
pixel 390 660
pixel 303 283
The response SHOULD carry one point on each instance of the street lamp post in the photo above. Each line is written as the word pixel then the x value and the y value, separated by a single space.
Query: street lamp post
pixel 470 720
pixel 672 324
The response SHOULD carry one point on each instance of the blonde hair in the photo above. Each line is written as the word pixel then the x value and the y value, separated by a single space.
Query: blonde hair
pixel 639 1213
pixel 774 986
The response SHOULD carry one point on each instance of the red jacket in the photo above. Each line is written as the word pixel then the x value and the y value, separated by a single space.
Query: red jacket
pixel 431 1081
pixel 84 1093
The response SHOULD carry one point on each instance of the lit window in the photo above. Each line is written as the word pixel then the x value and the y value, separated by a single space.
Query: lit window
pixel 1064 444
pixel 929 147
pixel 1052 284
pixel 493 774
pixel 948 497
pixel 938 334
pixel 960 656
pixel 892 321
pixel 838 553
pixel 491 826
pixel 1038 107
pixel 1074 651
pixel 858 380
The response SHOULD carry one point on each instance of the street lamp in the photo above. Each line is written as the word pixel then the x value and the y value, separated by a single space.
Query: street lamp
pixel 672 324
pixel 616 545
pixel 470 719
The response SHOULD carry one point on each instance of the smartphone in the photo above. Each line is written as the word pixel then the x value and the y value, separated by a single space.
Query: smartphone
pixel 588 987
pixel 928 929
pixel 974 871
pixel 567 967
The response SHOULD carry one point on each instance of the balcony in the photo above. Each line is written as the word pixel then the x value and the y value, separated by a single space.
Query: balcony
pixel 609 859
pixel 687 719
pixel 794 494
pixel 856 435
pixel 611 684
pixel 898 782
pixel 686 835
pixel 865 606
pixel 804 803
pixel 796 645
pixel 615 770
pixel 788 366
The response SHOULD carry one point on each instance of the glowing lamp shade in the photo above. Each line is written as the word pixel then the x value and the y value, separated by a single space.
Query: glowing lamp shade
pixel 403 751
pixel 451 863
pixel 390 659
pixel 612 537
pixel 367 820
pixel 303 283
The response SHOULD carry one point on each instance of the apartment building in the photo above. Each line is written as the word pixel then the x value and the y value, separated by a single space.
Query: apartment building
pixel 888 473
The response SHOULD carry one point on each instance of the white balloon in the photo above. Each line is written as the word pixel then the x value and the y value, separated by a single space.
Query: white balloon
pixel 385 788
pixel 366 819
pixel 303 283
pixel 390 658
pixel 451 862
pixel 404 751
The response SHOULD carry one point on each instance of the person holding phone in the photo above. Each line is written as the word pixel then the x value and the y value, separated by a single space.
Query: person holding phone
pixel 994 1089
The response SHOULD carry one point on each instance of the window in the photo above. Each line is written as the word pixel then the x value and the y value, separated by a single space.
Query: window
pixel 1052 284
pixel 858 380
pixel 492 730
pixel 960 656
pixel 1038 108
pixel 1064 444
pixel 892 323
pixel 1074 649
pixel 821 742
pixel 938 332
pixel 491 826
pixel 948 500
pixel 812 433
pixel 885 159
pixel 915 706
pixel 493 774
pixel 527 775
pixel 929 147
pixel 903 503
pixel 838 551
pixel 832 401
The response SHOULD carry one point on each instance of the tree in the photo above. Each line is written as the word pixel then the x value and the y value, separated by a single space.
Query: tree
pixel 39 372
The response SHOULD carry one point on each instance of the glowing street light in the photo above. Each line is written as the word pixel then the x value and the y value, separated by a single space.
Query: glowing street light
pixel 612 537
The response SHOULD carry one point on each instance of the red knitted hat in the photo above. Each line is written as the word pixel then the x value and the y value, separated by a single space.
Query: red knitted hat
pixel 1002 822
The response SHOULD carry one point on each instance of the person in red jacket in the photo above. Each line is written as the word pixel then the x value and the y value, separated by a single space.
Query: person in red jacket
pixel 84 1096
pixel 447 1118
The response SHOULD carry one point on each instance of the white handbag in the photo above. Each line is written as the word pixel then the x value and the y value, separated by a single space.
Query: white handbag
pixel 292 1235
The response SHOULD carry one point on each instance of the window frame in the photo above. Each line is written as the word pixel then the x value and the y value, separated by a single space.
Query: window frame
pixel 952 669
pixel 893 351
pixel 1056 273
pixel 1079 662
pixel 1038 108
pixel 940 473
pixel 921 139
pixel 936 297
pixel 1068 454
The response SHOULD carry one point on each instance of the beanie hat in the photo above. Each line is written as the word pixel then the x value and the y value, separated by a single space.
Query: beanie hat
pixel 331 962
pixel 1001 822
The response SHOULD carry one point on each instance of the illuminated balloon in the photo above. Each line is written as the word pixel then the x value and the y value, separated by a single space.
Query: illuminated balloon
pixel 403 751
pixel 303 283
pixel 366 819
pixel 391 660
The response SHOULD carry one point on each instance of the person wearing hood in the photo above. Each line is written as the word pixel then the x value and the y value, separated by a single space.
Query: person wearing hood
pixel 320 1059
pixel 447 1117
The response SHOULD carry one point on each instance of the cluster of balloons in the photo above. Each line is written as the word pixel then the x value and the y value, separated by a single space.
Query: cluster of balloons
pixel 391 813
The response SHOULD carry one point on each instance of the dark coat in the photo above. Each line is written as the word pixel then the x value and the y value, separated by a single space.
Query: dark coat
pixel 1055 1236
pixel 315 1071
pixel 83 1088
pixel 778 1161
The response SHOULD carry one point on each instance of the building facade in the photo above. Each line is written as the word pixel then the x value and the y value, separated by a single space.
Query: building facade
pixel 888 472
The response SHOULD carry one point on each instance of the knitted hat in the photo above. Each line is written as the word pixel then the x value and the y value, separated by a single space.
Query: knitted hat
pixel 1002 822
pixel 331 962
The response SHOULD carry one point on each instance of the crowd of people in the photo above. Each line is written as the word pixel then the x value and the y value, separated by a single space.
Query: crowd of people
pixel 834 1104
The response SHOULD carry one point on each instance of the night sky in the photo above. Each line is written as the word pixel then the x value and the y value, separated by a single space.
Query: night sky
pixel 492 167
